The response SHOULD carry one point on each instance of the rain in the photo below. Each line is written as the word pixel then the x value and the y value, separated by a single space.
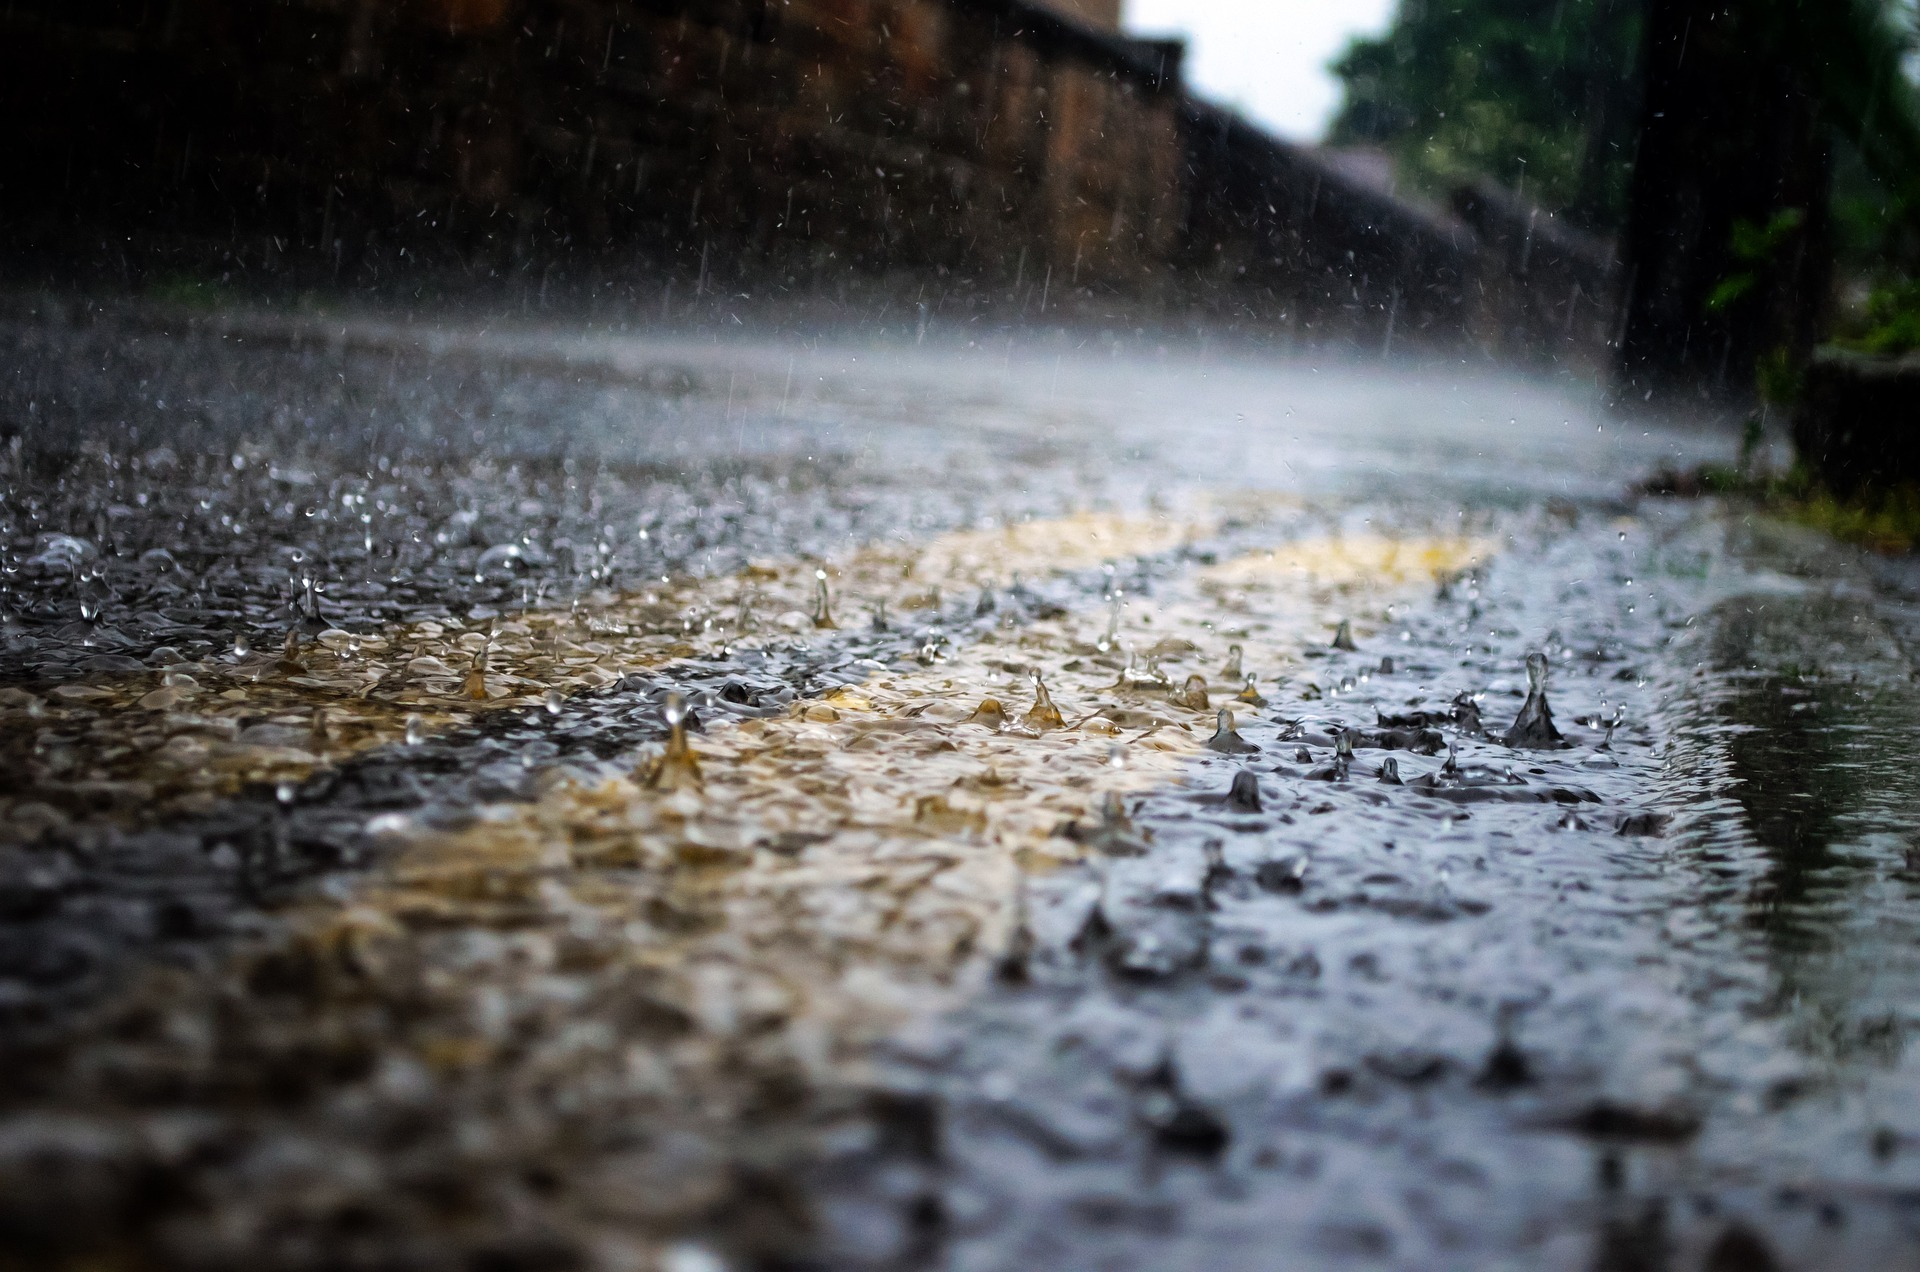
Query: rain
pixel 716 637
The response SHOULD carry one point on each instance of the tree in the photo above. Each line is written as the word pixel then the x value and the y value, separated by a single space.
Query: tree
pixel 1729 242
pixel 1539 95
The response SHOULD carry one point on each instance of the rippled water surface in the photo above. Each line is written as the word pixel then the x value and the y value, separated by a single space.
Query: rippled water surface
pixel 1102 837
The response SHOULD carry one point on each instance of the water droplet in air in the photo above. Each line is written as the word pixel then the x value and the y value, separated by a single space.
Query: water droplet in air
pixel 553 701
pixel 416 730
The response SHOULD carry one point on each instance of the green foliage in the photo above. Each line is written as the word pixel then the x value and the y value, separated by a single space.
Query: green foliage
pixel 1754 246
pixel 1886 522
pixel 189 291
pixel 1892 321
pixel 1883 520
pixel 1538 95
pixel 1778 378
pixel 1855 55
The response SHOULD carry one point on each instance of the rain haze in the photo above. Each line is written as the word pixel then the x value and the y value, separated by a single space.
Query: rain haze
pixel 958 636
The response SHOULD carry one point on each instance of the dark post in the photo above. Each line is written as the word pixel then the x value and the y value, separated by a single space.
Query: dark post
pixel 1727 244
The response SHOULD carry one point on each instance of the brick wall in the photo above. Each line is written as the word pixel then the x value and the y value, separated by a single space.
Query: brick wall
pixel 989 145
pixel 877 133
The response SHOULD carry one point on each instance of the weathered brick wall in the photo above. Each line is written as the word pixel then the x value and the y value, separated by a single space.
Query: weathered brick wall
pixel 990 145
pixel 880 133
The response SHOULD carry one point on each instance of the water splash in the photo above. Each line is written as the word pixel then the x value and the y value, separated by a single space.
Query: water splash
pixel 676 768
pixel 1226 738
pixel 1110 639
pixel 1192 694
pixel 989 713
pixel 475 686
pixel 1533 728
pixel 822 603
pixel 1043 716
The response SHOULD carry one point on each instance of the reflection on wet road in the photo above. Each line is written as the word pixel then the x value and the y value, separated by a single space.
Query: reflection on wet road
pixel 1119 831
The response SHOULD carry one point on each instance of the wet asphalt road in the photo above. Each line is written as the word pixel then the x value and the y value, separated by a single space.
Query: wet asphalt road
pixel 1636 1001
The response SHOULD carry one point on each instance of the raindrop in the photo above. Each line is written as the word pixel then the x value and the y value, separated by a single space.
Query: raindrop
pixel 416 730
pixel 553 701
